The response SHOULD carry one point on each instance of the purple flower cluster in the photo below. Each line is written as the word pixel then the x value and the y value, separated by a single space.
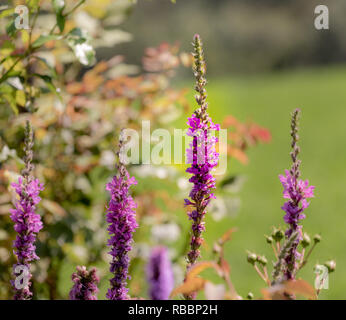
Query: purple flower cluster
pixel 27 223
pixel 202 156
pixel 122 224
pixel 160 274
pixel 85 284
pixel 296 191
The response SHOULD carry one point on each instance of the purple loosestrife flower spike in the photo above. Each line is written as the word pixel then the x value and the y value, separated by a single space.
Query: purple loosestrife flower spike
pixel 201 155
pixel 84 284
pixel 122 223
pixel 160 274
pixel 296 191
pixel 27 223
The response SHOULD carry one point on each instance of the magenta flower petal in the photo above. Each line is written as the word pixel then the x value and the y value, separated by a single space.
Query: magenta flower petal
pixel 160 274
pixel 202 157
pixel 27 223
pixel 296 191
pixel 121 225
pixel 84 284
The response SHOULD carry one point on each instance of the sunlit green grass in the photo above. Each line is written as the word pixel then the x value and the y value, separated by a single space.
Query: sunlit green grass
pixel 269 100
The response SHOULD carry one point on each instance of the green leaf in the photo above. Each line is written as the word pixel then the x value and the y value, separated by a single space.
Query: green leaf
pixel 60 20
pixel 44 77
pixel 49 66
pixel 11 27
pixel 20 98
pixel 6 12
pixel 78 35
pixel 33 4
pixel 49 83
pixel 43 39
pixel 6 89
pixel 59 6
pixel 12 73
pixel 11 101
pixel 7 45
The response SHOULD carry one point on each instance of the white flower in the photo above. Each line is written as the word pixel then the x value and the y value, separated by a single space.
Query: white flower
pixel 140 250
pixel 59 3
pixel 178 273
pixel 183 183
pixel 84 53
pixel 222 207
pixel 161 173
pixel 107 159
pixel 146 170
pixel 214 291
pixel 168 232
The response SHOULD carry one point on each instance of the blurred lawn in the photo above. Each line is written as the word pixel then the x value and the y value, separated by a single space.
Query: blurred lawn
pixel 269 100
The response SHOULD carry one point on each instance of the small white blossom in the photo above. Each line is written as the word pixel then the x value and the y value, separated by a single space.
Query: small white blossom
pixel 168 232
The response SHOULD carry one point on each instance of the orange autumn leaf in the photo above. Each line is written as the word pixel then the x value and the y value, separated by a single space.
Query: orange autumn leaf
pixel 238 154
pixel 74 88
pixel 189 286
pixel 225 266
pixel 301 287
pixel 227 235
pixel 201 266
pixel 229 121
pixel 275 292
pixel 292 287
pixel 193 283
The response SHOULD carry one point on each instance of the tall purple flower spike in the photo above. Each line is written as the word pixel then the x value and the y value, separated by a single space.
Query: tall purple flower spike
pixel 122 223
pixel 160 274
pixel 201 155
pixel 27 223
pixel 296 191
pixel 84 284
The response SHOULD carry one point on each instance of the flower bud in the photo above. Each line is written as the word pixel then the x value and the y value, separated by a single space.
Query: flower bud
pixel 250 296
pixel 278 234
pixel 262 260
pixel 269 239
pixel 331 265
pixel 251 258
pixel 317 238
pixel 306 240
